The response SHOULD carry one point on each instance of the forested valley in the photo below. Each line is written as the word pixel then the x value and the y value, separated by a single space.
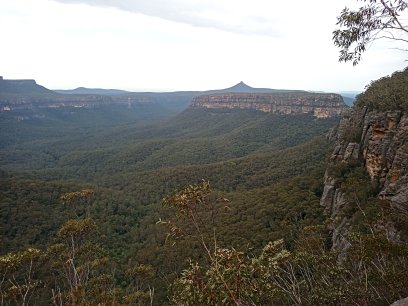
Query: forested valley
pixel 268 166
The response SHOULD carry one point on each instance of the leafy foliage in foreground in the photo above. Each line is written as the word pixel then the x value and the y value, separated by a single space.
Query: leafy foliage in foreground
pixel 374 271
pixel 75 270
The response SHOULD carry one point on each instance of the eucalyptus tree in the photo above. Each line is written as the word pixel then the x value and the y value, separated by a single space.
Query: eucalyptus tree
pixel 375 19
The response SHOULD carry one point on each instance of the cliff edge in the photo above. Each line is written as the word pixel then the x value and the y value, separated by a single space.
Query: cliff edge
pixel 321 105
pixel 366 181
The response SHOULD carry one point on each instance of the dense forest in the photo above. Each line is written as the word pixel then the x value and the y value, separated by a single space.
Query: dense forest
pixel 254 159
pixel 387 93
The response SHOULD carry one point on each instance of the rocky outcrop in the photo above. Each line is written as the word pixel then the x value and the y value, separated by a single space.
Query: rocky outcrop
pixel 385 153
pixel 379 141
pixel 319 104
pixel 333 199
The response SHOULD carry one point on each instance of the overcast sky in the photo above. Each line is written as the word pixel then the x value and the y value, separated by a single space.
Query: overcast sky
pixel 162 45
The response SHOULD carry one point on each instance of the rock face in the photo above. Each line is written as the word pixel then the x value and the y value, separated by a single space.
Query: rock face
pixel 319 104
pixel 379 140
pixel 385 152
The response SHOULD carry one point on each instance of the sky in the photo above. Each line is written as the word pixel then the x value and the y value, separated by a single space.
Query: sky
pixel 169 45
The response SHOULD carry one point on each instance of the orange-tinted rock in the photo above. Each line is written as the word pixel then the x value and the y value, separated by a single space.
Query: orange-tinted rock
pixel 382 146
pixel 319 104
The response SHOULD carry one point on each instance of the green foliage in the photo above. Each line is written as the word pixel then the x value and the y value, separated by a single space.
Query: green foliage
pixel 308 275
pixel 30 211
pixel 358 189
pixel 19 275
pixel 351 134
pixel 374 20
pixel 374 272
pixel 223 283
pixel 77 197
pixel 251 157
pixel 74 271
pixel 270 167
pixel 131 177
pixel 340 170
pixel 188 199
pixel 78 262
pixel 193 137
pixel 386 94
pixel 77 229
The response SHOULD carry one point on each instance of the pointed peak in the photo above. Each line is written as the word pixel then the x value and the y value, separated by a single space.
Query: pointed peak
pixel 241 86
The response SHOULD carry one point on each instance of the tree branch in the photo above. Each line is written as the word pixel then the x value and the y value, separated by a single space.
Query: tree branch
pixel 394 15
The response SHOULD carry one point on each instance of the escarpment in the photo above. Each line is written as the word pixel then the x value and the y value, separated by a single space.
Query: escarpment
pixel 376 141
pixel 321 105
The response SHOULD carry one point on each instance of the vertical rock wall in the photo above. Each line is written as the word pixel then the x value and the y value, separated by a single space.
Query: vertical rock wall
pixel 379 141
pixel 321 105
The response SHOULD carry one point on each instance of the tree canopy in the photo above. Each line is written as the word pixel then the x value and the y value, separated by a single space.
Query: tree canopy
pixel 372 21
pixel 386 94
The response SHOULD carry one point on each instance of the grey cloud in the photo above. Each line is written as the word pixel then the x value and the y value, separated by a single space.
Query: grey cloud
pixel 202 13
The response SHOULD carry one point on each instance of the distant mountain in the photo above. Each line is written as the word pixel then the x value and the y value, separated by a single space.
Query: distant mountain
pixel 240 87
pixel 28 87
pixel 348 100
pixel 28 96
pixel 91 91
pixel 22 87
pixel 351 94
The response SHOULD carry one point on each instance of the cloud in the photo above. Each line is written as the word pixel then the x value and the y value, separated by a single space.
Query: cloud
pixel 245 17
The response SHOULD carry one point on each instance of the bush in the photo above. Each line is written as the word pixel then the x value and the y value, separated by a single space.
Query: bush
pixel 387 93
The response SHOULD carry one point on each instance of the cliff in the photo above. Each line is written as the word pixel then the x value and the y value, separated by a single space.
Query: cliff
pixel 376 141
pixel 29 97
pixel 366 181
pixel 319 104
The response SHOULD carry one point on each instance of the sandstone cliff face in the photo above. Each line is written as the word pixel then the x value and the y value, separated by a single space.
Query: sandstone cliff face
pixel 320 105
pixel 379 140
